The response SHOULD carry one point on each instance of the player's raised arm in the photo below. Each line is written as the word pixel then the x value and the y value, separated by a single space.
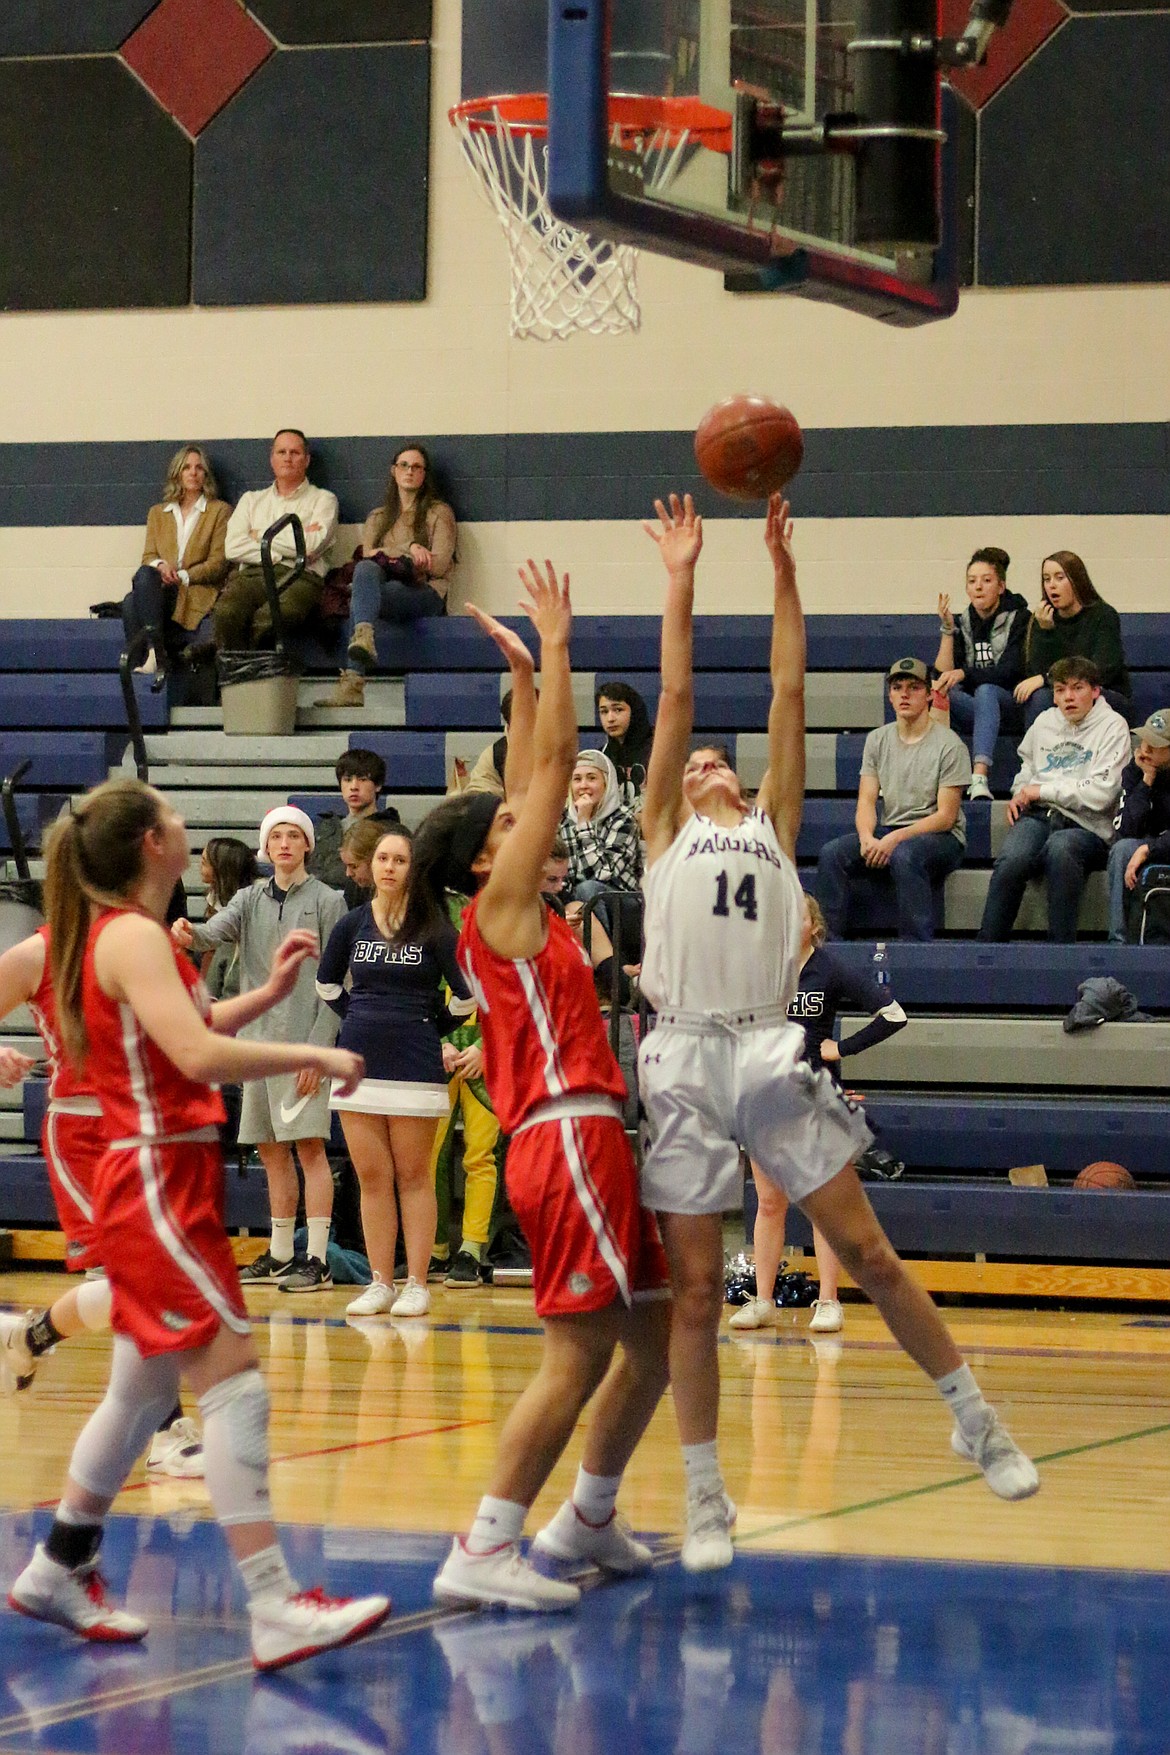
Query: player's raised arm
pixel 679 535
pixel 510 912
pixel 522 724
pixel 782 792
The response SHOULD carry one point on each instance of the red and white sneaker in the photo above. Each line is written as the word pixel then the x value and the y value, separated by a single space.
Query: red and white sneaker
pixel 18 1365
pixel 609 1545
pixel 502 1579
pixel 286 1630
pixel 47 1591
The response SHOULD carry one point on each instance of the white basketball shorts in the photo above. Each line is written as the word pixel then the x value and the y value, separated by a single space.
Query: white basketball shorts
pixel 709 1089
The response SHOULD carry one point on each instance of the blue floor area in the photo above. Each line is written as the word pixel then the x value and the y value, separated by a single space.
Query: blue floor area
pixel 801 1655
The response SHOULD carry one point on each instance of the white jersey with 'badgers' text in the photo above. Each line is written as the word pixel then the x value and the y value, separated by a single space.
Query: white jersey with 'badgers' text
pixel 724 918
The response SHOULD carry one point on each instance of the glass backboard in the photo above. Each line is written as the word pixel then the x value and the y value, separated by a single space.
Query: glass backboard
pixel 703 179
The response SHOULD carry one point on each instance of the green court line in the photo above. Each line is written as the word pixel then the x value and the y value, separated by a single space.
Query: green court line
pixel 907 1493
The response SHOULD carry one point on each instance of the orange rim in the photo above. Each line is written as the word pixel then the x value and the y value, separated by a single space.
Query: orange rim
pixel 631 116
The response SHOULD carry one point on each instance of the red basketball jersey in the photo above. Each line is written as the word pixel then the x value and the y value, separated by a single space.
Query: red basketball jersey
pixel 141 1091
pixel 543 1033
pixel 63 1080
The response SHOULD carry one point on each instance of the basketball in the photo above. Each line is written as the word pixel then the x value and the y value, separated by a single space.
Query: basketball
pixel 1104 1174
pixel 748 447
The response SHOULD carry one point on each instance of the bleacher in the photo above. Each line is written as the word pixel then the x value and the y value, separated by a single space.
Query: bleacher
pixel 983 1078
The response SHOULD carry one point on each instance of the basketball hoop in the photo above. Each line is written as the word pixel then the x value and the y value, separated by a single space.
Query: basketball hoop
pixel 562 279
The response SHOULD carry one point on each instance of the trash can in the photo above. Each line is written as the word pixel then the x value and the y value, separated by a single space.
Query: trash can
pixel 258 689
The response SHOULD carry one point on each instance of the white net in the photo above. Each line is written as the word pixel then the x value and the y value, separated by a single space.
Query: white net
pixel 562 279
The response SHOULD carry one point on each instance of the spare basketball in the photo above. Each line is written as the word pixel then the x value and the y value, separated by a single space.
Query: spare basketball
pixel 748 447
pixel 1104 1174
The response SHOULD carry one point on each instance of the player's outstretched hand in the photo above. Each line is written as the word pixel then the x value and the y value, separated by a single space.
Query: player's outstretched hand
pixel 292 951
pixel 548 607
pixel 778 537
pixel 516 653
pixel 679 533
pixel 15 1067
pixel 348 1069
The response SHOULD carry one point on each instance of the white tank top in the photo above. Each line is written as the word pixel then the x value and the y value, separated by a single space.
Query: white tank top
pixel 724 917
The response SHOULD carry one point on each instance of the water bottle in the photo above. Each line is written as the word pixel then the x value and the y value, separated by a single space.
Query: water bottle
pixel 881 971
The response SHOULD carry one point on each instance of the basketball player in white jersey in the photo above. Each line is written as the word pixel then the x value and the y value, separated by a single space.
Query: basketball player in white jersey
pixel 723 1068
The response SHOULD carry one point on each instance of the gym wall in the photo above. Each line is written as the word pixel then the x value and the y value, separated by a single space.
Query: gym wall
pixel 1036 418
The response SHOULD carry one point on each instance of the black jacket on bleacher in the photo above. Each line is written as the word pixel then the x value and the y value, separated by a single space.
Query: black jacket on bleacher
pixel 1143 812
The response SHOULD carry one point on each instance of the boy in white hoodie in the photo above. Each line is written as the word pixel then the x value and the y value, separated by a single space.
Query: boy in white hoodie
pixel 1063 803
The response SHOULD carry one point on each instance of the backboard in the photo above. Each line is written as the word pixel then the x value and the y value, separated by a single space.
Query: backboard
pixel 869 223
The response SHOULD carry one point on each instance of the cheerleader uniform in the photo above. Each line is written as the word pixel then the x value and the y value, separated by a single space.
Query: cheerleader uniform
pixel 559 1092
pixel 73 1137
pixel 159 1189
pixel 724 1067
pixel 388 997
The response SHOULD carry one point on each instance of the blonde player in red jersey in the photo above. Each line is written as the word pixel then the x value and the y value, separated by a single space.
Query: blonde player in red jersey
pixel 135 1019
pixel 723 1069
pixel 599 1274
pixel 73 1140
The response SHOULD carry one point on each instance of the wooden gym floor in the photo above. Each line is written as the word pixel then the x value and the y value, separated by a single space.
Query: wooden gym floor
pixel 836 1453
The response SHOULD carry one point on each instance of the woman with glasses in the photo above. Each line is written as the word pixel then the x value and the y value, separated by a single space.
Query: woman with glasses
pixel 403 566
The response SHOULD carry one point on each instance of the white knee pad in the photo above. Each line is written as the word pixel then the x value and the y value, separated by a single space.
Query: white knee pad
pixel 235 1448
pixel 93 1304
pixel 140 1394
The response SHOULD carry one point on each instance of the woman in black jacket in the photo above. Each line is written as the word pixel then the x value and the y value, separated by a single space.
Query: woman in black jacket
pixel 980 660
pixel 622 715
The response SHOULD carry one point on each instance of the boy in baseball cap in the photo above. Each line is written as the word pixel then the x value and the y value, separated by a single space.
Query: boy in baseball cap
pixel 1143 817
pixel 292 1110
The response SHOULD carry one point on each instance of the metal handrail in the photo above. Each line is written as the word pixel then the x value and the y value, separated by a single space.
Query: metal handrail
pixel 137 647
pixel 271 588
pixel 12 819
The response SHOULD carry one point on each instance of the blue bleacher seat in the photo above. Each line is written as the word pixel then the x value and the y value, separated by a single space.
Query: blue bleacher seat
pixel 966 1132
pixel 75 702
pixel 1020 976
pixel 47 646
pixel 415 760
pixel 61 758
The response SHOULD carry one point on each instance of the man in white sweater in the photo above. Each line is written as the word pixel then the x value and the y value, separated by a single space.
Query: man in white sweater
pixel 1063 803
pixel 242 615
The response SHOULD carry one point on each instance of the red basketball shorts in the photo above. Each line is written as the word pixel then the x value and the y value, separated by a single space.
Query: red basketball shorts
pixel 159 1214
pixel 73 1147
pixel 573 1185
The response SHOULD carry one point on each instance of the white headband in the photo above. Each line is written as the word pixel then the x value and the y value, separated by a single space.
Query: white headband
pixel 286 813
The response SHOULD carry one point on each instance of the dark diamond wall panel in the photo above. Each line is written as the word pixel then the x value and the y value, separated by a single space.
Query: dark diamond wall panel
pixel 345 21
pixel 95 186
pixel 68 27
pixel 311 187
pixel 1074 160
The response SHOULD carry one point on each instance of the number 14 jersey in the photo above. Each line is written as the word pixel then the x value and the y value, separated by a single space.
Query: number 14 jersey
pixel 724 917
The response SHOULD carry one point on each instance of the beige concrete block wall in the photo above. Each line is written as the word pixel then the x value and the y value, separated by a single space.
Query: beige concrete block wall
pixel 449 365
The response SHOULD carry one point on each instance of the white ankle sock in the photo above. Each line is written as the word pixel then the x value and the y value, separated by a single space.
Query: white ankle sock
pixel 318 1237
pixel 964 1398
pixel 281 1246
pixel 266 1575
pixel 497 1521
pixel 701 1462
pixel 595 1496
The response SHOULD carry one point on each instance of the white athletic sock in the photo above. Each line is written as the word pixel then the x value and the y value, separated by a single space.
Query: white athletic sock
pixel 318 1237
pixel 266 1575
pixel 964 1398
pixel 497 1521
pixel 281 1246
pixel 595 1496
pixel 701 1462
pixel 93 1304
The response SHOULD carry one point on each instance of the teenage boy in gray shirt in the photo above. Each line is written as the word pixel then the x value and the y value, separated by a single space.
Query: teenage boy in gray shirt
pixel 919 771
pixel 279 1113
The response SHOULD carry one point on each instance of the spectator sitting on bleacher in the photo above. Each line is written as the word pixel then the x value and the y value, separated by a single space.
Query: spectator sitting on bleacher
pixel 488 773
pixel 361 775
pixel 1072 621
pixel 403 566
pixel 1064 798
pixel 981 659
pixel 242 616
pixel 225 866
pixel 622 715
pixel 1143 818
pixel 919 770
pixel 183 560
pixel 599 830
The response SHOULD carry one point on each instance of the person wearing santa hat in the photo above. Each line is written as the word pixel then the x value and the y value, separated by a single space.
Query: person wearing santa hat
pixel 292 1110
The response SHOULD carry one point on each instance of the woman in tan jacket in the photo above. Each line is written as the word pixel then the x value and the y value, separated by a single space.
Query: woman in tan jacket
pixel 183 561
